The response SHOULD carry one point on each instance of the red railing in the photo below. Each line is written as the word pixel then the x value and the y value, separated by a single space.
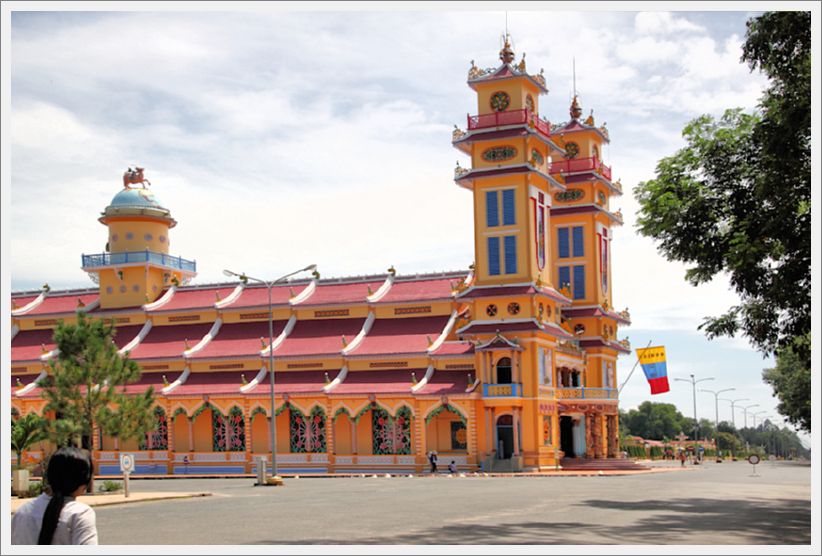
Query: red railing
pixel 575 165
pixel 510 117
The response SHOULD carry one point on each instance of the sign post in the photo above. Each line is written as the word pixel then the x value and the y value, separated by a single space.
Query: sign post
pixel 126 466
pixel 753 459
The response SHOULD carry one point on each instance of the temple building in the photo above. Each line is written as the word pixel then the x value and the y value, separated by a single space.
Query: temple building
pixel 508 365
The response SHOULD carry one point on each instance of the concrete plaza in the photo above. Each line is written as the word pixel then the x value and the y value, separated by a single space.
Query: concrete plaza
pixel 723 504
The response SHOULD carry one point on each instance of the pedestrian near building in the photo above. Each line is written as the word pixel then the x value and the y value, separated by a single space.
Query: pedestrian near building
pixel 452 467
pixel 59 518
pixel 432 458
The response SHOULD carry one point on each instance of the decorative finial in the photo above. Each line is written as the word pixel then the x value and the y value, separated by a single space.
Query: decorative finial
pixel 470 379
pixel 521 65
pixel 413 377
pixel 575 111
pixel 186 343
pixel 344 341
pixel 590 119
pixel 80 303
pixel 291 293
pixel 165 381
pixel 44 348
pixel 430 341
pixel 262 342
pixel 19 382
pixel 507 53
pixel 217 295
pixel 242 378
pixel 392 271
pixel 316 274
pixel 46 287
pixel 327 378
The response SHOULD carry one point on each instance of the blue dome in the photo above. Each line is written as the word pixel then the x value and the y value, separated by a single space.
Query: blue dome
pixel 137 197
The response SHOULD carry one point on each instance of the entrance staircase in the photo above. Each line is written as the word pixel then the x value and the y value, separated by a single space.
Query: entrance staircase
pixel 604 464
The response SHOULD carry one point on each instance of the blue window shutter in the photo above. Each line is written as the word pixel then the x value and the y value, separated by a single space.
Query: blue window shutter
pixel 508 212
pixel 564 248
pixel 510 254
pixel 579 245
pixel 493 256
pixel 579 282
pixel 564 276
pixel 492 209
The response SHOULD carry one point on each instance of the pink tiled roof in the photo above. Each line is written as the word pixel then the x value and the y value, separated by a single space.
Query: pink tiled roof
pixel 24 379
pixel 194 299
pixel 149 379
pixel 501 327
pixel 295 382
pixel 239 339
pixel 335 294
pixel 420 290
pixel 27 345
pixel 446 382
pixel 169 341
pixel 23 301
pixel 66 303
pixel 401 335
pixel 224 382
pixel 124 334
pixel 454 348
pixel 316 337
pixel 378 382
pixel 257 296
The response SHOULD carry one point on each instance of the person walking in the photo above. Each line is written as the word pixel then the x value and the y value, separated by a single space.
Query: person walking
pixel 58 518
pixel 432 458
pixel 682 458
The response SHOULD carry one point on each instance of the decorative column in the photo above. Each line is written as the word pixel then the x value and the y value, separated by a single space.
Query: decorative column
pixel 589 425
pixel 420 433
pixel 516 432
pixel 171 438
pixel 248 439
pixel 489 439
pixel 354 436
pixel 330 445
pixel 190 433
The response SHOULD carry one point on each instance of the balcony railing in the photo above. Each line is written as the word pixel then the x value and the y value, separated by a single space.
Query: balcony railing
pixel 576 165
pixel 509 117
pixel 583 393
pixel 129 257
pixel 502 390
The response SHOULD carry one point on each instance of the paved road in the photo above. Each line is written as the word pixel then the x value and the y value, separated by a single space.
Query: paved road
pixel 712 504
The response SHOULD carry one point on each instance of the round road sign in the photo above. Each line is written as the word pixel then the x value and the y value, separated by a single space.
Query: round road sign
pixel 753 459
pixel 126 463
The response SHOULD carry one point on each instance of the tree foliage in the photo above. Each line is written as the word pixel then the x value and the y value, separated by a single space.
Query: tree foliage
pixel 26 431
pixel 86 386
pixel 655 421
pixel 791 381
pixel 736 199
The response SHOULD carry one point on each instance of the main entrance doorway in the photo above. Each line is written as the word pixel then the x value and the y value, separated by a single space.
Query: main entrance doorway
pixel 505 437
pixel 566 435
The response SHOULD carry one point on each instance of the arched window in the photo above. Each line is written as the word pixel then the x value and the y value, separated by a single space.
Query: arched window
pixel 504 371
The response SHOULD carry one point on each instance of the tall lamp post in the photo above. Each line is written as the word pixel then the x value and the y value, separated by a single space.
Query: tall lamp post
pixel 733 413
pixel 758 413
pixel 693 384
pixel 716 394
pixel 269 284
pixel 745 410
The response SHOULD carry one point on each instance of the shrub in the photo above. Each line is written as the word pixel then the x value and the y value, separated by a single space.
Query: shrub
pixel 35 489
pixel 111 486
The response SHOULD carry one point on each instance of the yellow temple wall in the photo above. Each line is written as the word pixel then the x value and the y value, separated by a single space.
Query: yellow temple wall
pixel 127 234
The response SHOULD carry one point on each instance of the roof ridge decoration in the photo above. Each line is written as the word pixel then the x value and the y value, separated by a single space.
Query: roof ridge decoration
pixel 429 372
pixel 165 298
pixel 358 339
pixel 230 298
pixel 32 385
pixel 383 290
pixel 33 304
pixel 289 326
pixel 445 332
pixel 87 308
pixel 471 387
pixel 138 338
pixel 306 293
pixel 215 329
pixel 180 380
pixel 337 380
pixel 14 330
pixel 254 381
pixel 498 337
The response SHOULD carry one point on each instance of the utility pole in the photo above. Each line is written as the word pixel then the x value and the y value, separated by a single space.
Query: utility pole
pixel 716 402
pixel 693 384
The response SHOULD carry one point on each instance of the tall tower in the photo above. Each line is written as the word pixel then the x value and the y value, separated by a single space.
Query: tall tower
pixel 136 267
pixel 510 149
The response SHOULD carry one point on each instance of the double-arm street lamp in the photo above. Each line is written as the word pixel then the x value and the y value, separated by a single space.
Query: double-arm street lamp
pixel 693 384
pixel 733 413
pixel 244 278
pixel 758 413
pixel 745 409
pixel 716 394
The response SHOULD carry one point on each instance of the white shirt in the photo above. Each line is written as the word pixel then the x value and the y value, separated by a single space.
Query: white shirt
pixel 77 523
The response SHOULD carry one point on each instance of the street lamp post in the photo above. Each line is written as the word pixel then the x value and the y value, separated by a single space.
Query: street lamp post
pixel 693 384
pixel 745 409
pixel 733 413
pixel 716 394
pixel 757 413
pixel 269 284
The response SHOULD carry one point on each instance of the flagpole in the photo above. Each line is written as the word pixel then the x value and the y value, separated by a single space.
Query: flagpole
pixel 632 371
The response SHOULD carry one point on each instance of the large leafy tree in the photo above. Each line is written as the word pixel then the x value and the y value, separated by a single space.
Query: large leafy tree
pixel 654 421
pixel 737 200
pixel 86 386
pixel 26 431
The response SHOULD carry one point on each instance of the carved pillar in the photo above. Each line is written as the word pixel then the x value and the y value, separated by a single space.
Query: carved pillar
pixel 489 439
pixel 516 431
pixel 248 439
pixel 330 442
pixel 420 433
pixel 589 425
pixel 172 440
pixel 354 436
pixel 190 433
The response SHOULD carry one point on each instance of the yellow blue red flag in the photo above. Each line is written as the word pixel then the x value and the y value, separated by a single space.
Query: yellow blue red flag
pixel 653 364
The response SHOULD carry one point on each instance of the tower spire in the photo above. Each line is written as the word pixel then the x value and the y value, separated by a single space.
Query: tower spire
pixel 507 53
pixel 575 111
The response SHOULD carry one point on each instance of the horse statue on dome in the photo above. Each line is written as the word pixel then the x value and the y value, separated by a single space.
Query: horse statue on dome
pixel 134 176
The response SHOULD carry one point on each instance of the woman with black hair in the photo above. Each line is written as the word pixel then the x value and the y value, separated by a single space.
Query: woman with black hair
pixel 59 518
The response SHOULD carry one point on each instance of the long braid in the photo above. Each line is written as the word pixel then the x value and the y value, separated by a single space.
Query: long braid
pixel 69 468
pixel 51 517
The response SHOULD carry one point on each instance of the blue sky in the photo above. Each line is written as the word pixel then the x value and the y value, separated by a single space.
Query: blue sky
pixel 279 139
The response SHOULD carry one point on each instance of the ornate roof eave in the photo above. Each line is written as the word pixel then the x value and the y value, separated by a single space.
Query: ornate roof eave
pixel 488 76
pixel 499 342
pixel 615 217
pixel 476 135
pixel 466 179
pixel 565 127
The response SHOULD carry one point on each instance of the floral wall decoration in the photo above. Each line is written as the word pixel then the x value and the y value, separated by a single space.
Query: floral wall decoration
pixel 157 438
pixel 391 435
pixel 307 433
pixel 499 154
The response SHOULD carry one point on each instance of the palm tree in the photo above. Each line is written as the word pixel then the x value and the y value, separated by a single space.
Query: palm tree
pixel 25 432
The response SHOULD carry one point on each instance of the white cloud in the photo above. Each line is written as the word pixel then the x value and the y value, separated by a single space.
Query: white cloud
pixel 664 23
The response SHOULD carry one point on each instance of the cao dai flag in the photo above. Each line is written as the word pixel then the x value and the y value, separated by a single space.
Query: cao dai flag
pixel 653 364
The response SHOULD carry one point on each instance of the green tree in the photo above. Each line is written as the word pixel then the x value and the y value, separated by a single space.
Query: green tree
pixel 736 199
pixel 654 421
pixel 26 431
pixel 86 386
pixel 791 382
